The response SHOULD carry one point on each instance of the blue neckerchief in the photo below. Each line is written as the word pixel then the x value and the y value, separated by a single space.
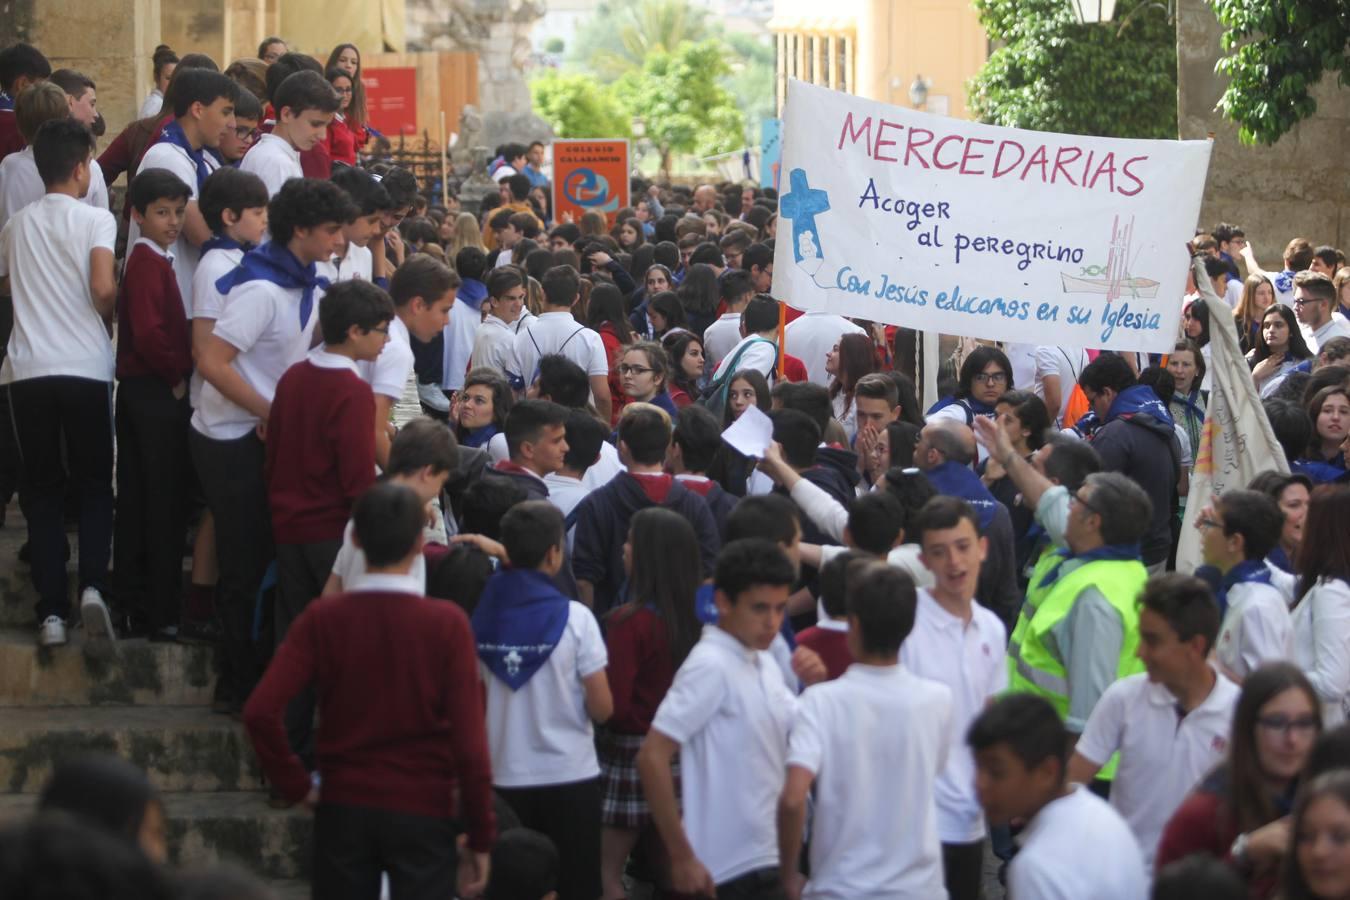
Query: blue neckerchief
pixel 973 407
pixel 6 102
pixel 173 134
pixel 1087 425
pixel 1280 560
pixel 1136 399
pixel 1106 551
pixel 959 481
pixel 518 622
pixel 223 242
pixel 1284 282
pixel 1249 571
pixel 472 293
pixel 479 437
pixel 1188 402
pixel 277 264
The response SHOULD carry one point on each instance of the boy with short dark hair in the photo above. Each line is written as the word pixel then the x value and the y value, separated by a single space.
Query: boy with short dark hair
pixel 266 327
pixel 543 662
pixel 305 103
pixel 58 256
pixel 20 182
pixel 494 345
pixel 829 636
pixel 203 110
pixel 875 827
pixel 727 714
pixel 524 867
pixel 603 517
pixel 154 362
pixel 422 456
pixel 1074 844
pixel 21 65
pixel 423 291
pixel 237 141
pixel 355 260
pixel 693 448
pixel 82 104
pixel 403 753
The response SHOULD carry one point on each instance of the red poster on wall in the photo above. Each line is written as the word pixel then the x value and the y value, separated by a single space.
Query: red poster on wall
pixel 391 99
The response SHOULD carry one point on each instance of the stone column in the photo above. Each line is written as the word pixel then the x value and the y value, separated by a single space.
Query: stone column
pixel 245 27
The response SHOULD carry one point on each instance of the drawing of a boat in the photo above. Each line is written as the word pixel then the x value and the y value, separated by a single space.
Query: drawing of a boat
pixel 1145 288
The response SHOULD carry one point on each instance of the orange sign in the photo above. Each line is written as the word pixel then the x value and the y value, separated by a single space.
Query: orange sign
pixel 590 175
pixel 391 100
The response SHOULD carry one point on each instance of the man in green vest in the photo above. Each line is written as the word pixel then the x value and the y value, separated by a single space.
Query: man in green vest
pixel 1079 629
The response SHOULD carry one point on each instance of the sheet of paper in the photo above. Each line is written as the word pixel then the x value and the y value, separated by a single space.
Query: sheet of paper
pixel 751 434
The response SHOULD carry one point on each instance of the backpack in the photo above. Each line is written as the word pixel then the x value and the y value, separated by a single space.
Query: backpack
pixel 714 398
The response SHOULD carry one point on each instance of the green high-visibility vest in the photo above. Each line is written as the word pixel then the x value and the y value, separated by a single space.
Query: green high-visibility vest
pixel 1032 667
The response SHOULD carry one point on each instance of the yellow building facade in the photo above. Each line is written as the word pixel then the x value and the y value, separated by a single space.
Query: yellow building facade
pixel 878 48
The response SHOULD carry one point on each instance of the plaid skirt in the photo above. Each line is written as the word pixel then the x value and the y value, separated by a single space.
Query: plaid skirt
pixel 622 804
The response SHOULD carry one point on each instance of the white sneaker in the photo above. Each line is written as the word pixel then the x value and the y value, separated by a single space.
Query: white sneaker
pixel 95 616
pixel 52 632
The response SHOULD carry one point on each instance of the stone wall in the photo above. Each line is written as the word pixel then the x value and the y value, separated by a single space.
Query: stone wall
pixel 1300 187
pixel 111 41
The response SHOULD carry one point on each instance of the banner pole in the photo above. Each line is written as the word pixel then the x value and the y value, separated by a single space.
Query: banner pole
pixel 445 181
pixel 782 337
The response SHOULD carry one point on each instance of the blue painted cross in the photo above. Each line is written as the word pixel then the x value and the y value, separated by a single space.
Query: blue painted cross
pixel 802 205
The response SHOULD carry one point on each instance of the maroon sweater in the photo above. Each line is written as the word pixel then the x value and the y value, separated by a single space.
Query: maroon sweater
pixel 832 647
pixel 640 666
pixel 152 327
pixel 10 139
pixel 320 451
pixel 401 723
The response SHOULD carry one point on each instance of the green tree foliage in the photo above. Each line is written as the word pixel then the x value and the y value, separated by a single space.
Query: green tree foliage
pixel 1052 74
pixel 576 107
pixel 683 106
pixel 1276 51
pixel 623 33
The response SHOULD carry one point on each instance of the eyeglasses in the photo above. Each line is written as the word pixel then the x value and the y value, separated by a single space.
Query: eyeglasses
pixel 625 369
pixel 247 135
pixel 1287 725
pixel 992 377
pixel 1304 301
pixel 1079 498
pixel 1207 522
pixel 382 329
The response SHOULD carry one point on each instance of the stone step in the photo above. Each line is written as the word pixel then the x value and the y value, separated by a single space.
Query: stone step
pixel 238 827
pixel 140 673
pixel 181 748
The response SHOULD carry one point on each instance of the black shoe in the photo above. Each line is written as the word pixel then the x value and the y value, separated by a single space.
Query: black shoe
pixel 26 554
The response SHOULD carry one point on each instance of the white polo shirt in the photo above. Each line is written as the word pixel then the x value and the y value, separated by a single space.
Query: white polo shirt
pixel 730 712
pixel 262 321
pixel 350 563
pixel 1333 327
pixel 541 734
pixel 1064 363
pixel 206 301
pixel 759 356
pixel 812 336
pixel 1163 754
pixel 1256 628
pixel 460 334
pixel 557 332
pixel 875 826
pixel 1075 848
pixel 44 250
pixel 719 337
pixel 494 346
pixel 389 372
pixel 967 657
pixel 1320 647
pixel 273 160
pixel 601 472
pixel 185 254
pixel 20 185
pixel 357 265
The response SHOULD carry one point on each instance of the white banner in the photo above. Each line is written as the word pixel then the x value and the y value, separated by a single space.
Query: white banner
pixel 967 229
pixel 1237 443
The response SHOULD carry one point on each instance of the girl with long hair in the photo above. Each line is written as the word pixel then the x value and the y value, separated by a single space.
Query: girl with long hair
pixel 347 132
pixel 665 312
pixel 685 350
pixel 648 639
pixel 1186 365
pixel 466 234
pixel 1280 349
pixel 1329 412
pixel 604 313
pixel 645 369
pixel 1318 867
pixel 699 294
pixel 482 407
pixel 849 360
pixel 1258 295
pixel 629 235
pixel 1237 813
pixel 1291 493
pixel 1321 645
pixel 738 474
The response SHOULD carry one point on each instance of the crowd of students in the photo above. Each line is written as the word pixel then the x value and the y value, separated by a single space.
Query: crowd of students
pixel 845 666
